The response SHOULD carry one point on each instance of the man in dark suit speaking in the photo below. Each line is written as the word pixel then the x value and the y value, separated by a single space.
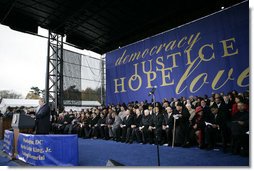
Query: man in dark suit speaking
pixel 42 118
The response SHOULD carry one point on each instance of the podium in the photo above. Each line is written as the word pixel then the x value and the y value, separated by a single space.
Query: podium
pixel 5 123
pixel 21 123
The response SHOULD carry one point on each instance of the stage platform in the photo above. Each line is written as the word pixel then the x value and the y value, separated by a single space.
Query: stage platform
pixel 96 152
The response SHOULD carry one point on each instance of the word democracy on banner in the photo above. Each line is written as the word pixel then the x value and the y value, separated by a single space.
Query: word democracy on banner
pixel 229 50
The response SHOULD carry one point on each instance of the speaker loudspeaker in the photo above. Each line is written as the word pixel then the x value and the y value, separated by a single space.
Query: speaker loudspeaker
pixel 113 163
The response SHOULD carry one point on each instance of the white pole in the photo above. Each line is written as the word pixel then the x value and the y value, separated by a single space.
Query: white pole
pixel 174 128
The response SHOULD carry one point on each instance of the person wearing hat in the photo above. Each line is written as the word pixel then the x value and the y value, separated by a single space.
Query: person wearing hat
pixel 197 132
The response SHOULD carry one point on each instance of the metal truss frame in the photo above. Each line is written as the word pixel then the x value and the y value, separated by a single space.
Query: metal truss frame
pixel 54 71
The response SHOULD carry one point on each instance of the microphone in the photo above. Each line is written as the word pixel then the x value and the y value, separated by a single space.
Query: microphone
pixel 152 91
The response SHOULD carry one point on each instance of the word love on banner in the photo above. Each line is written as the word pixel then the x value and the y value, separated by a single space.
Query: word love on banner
pixel 8 142
pixel 48 150
pixel 209 55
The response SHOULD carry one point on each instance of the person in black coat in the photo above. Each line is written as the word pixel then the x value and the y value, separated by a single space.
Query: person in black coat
pixel 93 124
pixel 224 111
pixel 126 126
pixel 99 127
pixel 216 128
pixel 156 125
pixel 9 112
pixel 87 125
pixel 42 118
pixel 182 125
pixel 239 128
pixel 143 128
pixel 68 118
pixel 168 125
pixel 207 115
pixel 134 127
pixel 58 126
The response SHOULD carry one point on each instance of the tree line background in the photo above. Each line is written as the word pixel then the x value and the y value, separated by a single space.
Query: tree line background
pixel 71 93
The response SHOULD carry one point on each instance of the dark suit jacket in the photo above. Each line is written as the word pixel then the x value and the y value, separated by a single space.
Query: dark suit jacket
pixel 169 120
pixel 238 129
pixel 219 120
pixel 145 121
pixel 137 120
pixel 184 120
pixel 42 124
pixel 157 120
pixel 101 121
pixel 224 111
pixel 94 121
pixel 128 122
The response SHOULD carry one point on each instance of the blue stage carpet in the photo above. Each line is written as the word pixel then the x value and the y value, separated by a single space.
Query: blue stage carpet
pixel 98 152
pixel 5 161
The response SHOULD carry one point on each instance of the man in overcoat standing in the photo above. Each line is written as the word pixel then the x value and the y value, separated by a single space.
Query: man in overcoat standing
pixel 42 118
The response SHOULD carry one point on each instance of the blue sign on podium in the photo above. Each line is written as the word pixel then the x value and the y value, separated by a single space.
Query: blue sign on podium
pixel 8 142
pixel 48 150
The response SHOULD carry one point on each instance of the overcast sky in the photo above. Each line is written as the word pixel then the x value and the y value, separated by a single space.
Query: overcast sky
pixel 23 60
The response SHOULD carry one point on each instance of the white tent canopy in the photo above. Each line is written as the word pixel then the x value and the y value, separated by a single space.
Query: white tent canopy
pixel 84 105
pixel 35 103
pixel 17 103
pixel 91 103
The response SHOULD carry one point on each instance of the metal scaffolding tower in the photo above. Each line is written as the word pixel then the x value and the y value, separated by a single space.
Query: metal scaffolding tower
pixel 54 71
pixel 103 80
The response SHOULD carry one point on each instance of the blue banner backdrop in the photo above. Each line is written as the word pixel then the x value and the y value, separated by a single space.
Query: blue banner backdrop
pixel 48 150
pixel 8 142
pixel 205 56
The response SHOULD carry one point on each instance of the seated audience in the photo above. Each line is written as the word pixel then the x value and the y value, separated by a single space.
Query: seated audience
pixel 221 120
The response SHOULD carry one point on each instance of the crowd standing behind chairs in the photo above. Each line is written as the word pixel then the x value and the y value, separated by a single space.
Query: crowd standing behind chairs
pixel 221 121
